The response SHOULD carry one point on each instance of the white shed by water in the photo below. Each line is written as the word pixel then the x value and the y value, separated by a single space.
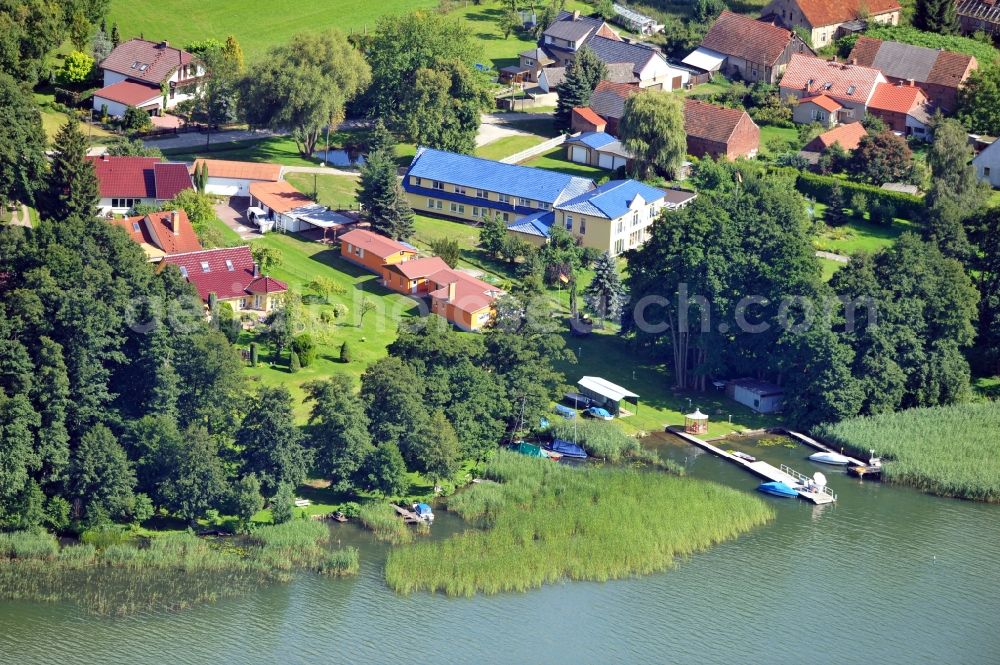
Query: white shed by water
pixel 607 394
pixel 761 396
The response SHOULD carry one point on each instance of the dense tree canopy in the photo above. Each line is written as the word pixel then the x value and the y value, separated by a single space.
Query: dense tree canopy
pixel 22 143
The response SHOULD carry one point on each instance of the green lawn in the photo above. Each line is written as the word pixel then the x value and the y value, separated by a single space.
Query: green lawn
pixel 858 235
pixel 277 149
pixel 608 356
pixel 776 140
pixel 261 24
pixel 555 160
pixel 339 192
pixel 226 235
pixel 508 145
pixel 302 262
pixel 829 267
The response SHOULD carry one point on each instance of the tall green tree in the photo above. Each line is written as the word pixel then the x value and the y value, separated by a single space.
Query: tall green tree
pixel 436 448
pixel 17 455
pixel 985 268
pixel 29 31
pixel 71 185
pixel 652 129
pixel 881 158
pixel 270 442
pixel 22 143
pixel 605 294
pixel 492 234
pixel 979 101
pixel 383 198
pixel 338 433
pixel 582 76
pixel 937 16
pixel 101 479
pixel 305 85
pixel 443 107
pixel 392 394
pixel 197 481
pixel 383 471
pixel 247 500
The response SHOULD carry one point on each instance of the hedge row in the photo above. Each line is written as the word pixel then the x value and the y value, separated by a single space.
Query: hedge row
pixel 818 186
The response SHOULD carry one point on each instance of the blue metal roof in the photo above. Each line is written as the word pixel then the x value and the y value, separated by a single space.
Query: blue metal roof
pixel 535 224
pixel 593 140
pixel 474 172
pixel 612 199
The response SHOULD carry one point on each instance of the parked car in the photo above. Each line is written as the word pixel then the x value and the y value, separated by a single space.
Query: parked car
pixel 578 400
pixel 599 413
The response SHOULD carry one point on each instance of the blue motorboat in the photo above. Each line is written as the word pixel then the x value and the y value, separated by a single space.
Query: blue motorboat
pixel 599 413
pixel 777 489
pixel 567 449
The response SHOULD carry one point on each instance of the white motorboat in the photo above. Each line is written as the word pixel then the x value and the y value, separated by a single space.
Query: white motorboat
pixel 830 458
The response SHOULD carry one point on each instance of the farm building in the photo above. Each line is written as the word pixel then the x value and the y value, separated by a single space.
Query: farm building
pixel 761 396
pixel 827 20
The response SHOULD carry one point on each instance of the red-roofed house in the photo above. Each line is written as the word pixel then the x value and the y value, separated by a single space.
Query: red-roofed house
pixel 135 71
pixel 848 136
pixel 161 233
pixel 751 50
pixel 904 108
pixel 372 251
pixel 231 274
pixel 413 276
pixel 827 20
pixel 719 132
pixel 851 86
pixel 124 182
pixel 465 301
pixel 817 108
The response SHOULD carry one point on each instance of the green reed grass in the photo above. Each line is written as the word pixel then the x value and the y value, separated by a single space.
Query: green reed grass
pixel 383 521
pixel 607 441
pixel 549 522
pixel 944 450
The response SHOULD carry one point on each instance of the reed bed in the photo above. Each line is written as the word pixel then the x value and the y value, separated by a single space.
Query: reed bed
pixel 945 450
pixel 383 521
pixel 169 572
pixel 549 522
pixel 606 441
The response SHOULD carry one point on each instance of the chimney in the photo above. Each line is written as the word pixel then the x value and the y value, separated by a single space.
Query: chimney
pixel 164 44
pixel 104 157
pixel 256 270
pixel 451 291
pixel 834 59
pixel 910 82
pixel 854 61
pixel 576 15
pixel 175 222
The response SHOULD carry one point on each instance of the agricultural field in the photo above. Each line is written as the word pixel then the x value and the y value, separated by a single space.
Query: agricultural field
pixel 945 450
pixel 548 522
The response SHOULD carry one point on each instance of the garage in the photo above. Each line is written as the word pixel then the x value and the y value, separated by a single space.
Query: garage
pixel 579 155
pixel 610 161
pixel 228 187
pixel 230 178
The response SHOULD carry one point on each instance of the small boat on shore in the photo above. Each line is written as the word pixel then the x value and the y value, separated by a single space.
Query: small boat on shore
pixel 424 512
pixel 338 517
pixel 836 459
pixel 777 488
pixel 552 455
pixel 567 449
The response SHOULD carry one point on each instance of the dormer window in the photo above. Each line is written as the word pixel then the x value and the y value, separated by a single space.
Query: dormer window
pixel 204 267
pixel 135 226
pixel 851 89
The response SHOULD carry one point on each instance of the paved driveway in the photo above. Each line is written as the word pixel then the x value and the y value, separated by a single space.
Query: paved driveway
pixel 233 214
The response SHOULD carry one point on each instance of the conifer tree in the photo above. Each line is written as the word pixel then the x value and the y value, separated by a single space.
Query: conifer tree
pixel 72 183
pixel 116 38
pixel 582 76
pixel 605 295
pixel 936 16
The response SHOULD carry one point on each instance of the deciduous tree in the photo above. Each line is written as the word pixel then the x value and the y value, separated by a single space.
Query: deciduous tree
pixel 652 130
pixel 22 143
pixel 270 442
pixel 338 432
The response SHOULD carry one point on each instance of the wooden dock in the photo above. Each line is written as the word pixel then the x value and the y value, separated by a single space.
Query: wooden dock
pixel 408 516
pixel 769 472
pixel 813 443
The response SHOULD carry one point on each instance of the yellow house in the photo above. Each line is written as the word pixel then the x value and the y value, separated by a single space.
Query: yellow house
pixel 826 21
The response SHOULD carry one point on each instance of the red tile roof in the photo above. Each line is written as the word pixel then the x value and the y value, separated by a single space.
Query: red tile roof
pixel 170 179
pixel 279 196
pixel 471 294
pixel 906 61
pixel 130 93
pixel 827 12
pixel 710 122
pixel 209 272
pixel 848 136
pixel 842 81
pixel 588 115
pixel 824 102
pixel 145 61
pixel 224 168
pixel 897 98
pixel 156 230
pixel 418 268
pixel 743 37
pixel 373 243
pixel 127 177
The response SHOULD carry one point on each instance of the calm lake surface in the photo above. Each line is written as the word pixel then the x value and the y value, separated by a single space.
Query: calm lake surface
pixel 887 575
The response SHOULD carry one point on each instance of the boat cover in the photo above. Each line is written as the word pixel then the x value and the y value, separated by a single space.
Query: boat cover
pixel 423 509
pixel 529 449
pixel 565 411
pixel 568 448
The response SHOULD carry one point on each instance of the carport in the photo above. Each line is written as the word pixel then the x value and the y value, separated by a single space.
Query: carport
pixel 608 394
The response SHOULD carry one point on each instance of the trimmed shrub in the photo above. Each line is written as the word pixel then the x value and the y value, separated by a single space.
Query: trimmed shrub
pixel 819 187
pixel 294 363
pixel 345 353
pixel 305 347
pixel 254 353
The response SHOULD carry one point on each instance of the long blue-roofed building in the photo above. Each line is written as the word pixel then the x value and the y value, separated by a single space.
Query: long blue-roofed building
pixel 614 217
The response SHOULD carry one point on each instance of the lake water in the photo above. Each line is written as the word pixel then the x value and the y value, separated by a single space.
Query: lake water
pixel 339 157
pixel 887 575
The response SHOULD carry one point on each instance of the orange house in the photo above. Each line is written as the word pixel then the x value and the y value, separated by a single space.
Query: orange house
pixel 465 301
pixel 412 277
pixel 371 251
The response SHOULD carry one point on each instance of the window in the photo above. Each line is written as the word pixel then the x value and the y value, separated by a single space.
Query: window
pixel 543 205
pixel 438 185
pixel 459 190
pixel 583 225
pixel 986 172
pixel 229 265
pixel 851 89
pixel 569 222
pixel 478 212
pixel 506 217
pixel 243 303
pixel 481 194
pixel 635 218
pixel 503 198
pixel 621 226
pixel 416 181
pixel 457 207
pixel 205 267
pixel 652 212
pixel 184 272
pixel 439 205
pixel 135 226
pixel 523 201
pixel 430 203
pixel 619 246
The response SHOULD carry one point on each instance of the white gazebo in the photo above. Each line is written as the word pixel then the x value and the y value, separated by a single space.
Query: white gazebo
pixel 696 423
